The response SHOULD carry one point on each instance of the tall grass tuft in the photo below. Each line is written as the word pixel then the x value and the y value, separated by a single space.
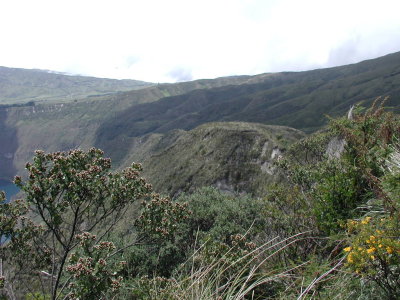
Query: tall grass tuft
pixel 221 278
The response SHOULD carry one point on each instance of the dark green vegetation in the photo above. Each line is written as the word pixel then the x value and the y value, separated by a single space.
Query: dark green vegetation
pixel 18 86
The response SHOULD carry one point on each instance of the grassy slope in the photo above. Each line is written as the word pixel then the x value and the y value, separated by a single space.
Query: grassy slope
pixel 233 156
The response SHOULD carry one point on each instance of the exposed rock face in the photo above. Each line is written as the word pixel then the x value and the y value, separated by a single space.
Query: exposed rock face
pixel 335 147
pixel 8 146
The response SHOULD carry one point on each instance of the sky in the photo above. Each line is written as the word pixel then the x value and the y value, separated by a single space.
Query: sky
pixel 181 40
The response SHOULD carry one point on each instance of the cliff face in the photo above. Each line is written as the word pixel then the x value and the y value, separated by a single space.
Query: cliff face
pixel 8 147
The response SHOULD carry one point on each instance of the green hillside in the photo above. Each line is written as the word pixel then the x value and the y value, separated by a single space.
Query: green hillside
pixel 23 85
pixel 300 100
pixel 235 157
pixel 67 125
pixel 257 210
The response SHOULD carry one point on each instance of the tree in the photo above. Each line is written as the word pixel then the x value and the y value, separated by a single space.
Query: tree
pixel 72 193
pixel 15 232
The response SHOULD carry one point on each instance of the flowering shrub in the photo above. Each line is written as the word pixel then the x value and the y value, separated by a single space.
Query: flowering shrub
pixel 93 271
pixel 160 217
pixel 156 288
pixel 375 251
pixel 72 192
pixel 16 232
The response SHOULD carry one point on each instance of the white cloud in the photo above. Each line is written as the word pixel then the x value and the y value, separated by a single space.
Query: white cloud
pixel 158 40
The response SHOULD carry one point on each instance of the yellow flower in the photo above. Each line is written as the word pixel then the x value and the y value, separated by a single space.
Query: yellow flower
pixel 372 257
pixel 353 222
pixel 389 250
pixel 347 249
pixel 350 259
pixel 371 250
pixel 366 220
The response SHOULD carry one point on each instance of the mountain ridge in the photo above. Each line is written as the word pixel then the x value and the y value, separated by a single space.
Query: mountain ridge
pixel 116 122
pixel 232 156
pixel 296 99
pixel 19 85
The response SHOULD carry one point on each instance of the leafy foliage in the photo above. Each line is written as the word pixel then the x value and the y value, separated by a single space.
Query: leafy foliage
pixel 170 231
pixel 93 270
pixel 375 251
pixel 16 232
pixel 74 192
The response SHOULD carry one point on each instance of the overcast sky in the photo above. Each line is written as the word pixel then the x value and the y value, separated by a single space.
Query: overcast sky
pixel 178 40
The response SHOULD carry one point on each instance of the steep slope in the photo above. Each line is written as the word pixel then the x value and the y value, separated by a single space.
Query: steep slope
pixel 23 85
pixel 232 156
pixel 299 100
pixel 62 126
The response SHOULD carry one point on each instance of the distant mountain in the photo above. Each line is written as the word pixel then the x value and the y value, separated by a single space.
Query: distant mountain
pixel 24 85
pixel 120 122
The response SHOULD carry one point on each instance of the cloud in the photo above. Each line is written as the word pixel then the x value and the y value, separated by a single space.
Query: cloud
pixel 130 61
pixel 346 53
pixel 178 40
pixel 180 74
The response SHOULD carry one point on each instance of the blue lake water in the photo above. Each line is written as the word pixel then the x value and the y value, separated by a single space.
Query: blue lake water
pixel 9 188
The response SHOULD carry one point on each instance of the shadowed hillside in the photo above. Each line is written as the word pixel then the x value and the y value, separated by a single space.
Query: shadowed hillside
pixel 299 100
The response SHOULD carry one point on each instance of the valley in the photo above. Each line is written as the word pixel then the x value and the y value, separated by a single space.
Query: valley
pixel 119 123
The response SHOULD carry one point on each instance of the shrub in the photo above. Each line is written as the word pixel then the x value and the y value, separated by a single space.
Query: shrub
pixel 71 193
pixel 170 230
pixel 94 271
pixel 375 251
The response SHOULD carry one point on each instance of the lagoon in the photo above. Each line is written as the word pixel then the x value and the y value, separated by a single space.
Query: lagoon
pixel 9 188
